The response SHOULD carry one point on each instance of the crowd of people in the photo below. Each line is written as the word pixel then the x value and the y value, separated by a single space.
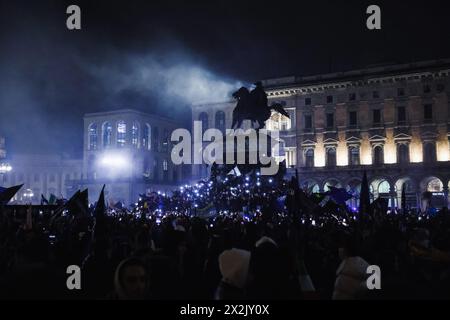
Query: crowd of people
pixel 230 237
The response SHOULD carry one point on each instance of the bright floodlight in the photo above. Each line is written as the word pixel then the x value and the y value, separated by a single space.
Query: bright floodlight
pixel 5 167
pixel 114 161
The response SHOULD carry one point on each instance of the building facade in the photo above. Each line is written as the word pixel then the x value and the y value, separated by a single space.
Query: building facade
pixel 129 152
pixel 42 174
pixel 2 148
pixel 391 121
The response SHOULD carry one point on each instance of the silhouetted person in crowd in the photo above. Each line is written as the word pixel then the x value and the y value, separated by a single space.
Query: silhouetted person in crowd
pixel 351 274
pixel 131 280
pixel 234 267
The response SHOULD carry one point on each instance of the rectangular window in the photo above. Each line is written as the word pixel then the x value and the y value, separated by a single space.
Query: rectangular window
pixel 376 95
pixel 376 116
pixel 401 114
pixel 352 118
pixel 329 99
pixel 330 120
pixel 36 177
pixel 308 122
pixel 400 92
pixel 426 89
pixel 352 96
pixel 428 112
pixel 440 87
pixel 307 101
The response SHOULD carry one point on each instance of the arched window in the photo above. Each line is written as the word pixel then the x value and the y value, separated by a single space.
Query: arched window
pixel 146 137
pixel 278 121
pixel 203 117
pixel 331 183
pixel 378 155
pixel 135 134
pixel 309 158
pixel 384 187
pixel 165 141
pixel 165 170
pixel 435 185
pixel 92 136
pixel 353 156
pixel 403 153
pixel 429 152
pixel 107 134
pixel 155 137
pixel 331 157
pixel 121 133
pixel 220 121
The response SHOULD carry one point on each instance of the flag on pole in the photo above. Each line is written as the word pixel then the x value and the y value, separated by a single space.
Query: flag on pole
pixel 7 194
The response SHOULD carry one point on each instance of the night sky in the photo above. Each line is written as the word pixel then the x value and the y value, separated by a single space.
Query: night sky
pixel 160 56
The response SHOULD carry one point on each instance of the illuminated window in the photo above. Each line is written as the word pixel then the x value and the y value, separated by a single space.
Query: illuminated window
pixel 384 187
pixel 92 136
pixel 165 165
pixel 107 134
pixel 146 137
pixel 331 183
pixel 121 133
pixel 220 121
pixel 135 134
pixel 278 122
pixel 290 154
pixel 435 185
pixel 165 142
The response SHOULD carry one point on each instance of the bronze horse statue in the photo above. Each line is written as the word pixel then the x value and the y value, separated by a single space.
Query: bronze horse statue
pixel 252 105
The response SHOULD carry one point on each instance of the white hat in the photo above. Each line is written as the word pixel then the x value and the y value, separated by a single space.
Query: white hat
pixel 234 265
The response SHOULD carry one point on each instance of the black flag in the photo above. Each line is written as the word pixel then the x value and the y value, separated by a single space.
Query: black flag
pixel 100 215
pixel 7 194
pixel 43 200
pixel 404 198
pixel 364 197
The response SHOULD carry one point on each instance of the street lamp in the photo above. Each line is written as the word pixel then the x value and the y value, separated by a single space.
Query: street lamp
pixel 28 194
pixel 4 168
